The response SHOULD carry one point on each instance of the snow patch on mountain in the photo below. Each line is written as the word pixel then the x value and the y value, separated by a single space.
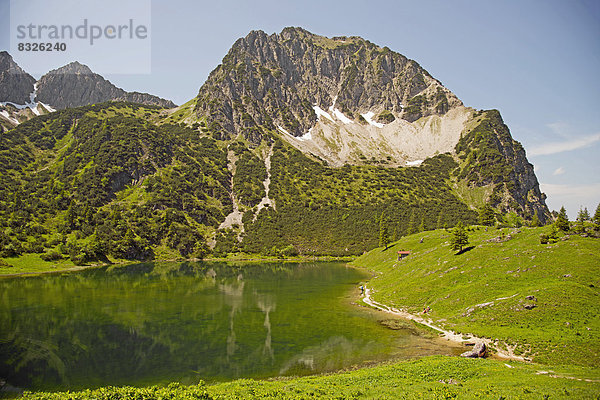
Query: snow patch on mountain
pixel 414 163
pixel 399 143
pixel 340 115
pixel 322 113
pixel 368 117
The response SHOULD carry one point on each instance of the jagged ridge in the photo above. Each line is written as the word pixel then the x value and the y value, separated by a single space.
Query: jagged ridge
pixel 75 85
pixel 15 84
pixel 270 80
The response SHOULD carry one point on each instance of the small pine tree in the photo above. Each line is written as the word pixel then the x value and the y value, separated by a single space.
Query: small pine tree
pixel 562 220
pixel 459 237
pixel 486 215
pixel 395 234
pixel 586 214
pixel 384 234
pixel 535 221
pixel 422 226
pixel 438 225
pixel 583 215
pixel 596 218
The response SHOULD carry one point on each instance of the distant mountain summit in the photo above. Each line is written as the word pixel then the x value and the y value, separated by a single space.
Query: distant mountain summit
pixel 345 100
pixel 277 80
pixel 296 143
pixel 73 85
pixel 76 85
pixel 15 84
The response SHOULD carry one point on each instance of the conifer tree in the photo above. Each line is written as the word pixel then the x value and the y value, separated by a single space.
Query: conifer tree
pixel 562 221
pixel 596 218
pixel 583 215
pixel 535 221
pixel 459 237
pixel 486 215
pixel 384 234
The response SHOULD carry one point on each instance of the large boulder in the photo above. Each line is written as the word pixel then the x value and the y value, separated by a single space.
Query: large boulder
pixel 479 350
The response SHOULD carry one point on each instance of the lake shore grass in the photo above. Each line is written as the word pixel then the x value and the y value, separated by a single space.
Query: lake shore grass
pixel 435 377
pixel 32 264
pixel 538 301
pixel 541 300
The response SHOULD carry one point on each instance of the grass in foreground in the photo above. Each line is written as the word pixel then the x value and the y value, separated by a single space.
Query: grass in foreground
pixel 426 378
pixel 543 299
pixel 32 263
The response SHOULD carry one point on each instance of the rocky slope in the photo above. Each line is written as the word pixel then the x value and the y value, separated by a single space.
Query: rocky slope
pixel 296 143
pixel 15 84
pixel 267 81
pixel 491 157
pixel 76 85
pixel 348 101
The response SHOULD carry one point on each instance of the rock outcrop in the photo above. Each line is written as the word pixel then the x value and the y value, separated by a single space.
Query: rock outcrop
pixel 479 350
pixel 492 157
pixel 266 81
pixel 76 85
pixel 15 84
pixel 345 100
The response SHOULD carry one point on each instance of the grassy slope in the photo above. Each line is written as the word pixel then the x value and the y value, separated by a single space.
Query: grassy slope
pixel 480 275
pixel 32 263
pixel 429 378
pixel 563 328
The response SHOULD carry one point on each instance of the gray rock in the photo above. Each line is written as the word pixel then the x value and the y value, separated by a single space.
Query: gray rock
pixel 75 85
pixel 269 80
pixel 479 350
pixel 15 84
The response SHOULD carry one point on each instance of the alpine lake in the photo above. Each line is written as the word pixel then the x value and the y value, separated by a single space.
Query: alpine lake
pixel 154 323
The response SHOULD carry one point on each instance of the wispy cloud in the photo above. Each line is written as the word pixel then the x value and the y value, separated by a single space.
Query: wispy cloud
pixel 571 196
pixel 567 145
pixel 560 128
pixel 559 171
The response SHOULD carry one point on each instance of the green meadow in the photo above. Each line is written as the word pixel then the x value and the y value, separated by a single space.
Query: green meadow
pixel 538 300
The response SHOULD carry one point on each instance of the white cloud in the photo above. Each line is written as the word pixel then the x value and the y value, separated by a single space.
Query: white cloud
pixel 558 171
pixel 560 128
pixel 568 145
pixel 572 196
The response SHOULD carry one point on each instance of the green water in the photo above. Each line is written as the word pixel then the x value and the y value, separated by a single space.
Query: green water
pixel 159 322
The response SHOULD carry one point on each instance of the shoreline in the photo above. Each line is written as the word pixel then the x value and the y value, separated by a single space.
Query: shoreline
pixel 78 268
pixel 507 354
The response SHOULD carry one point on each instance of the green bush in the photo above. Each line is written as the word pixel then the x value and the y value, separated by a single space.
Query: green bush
pixel 174 391
pixel 51 255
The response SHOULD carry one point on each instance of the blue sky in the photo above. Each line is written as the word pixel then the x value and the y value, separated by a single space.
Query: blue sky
pixel 535 61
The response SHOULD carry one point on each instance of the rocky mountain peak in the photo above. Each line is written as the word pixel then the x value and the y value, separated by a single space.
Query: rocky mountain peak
pixel 266 81
pixel 15 84
pixel 75 85
pixel 73 68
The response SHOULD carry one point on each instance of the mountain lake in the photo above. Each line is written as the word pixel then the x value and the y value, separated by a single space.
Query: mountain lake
pixel 154 323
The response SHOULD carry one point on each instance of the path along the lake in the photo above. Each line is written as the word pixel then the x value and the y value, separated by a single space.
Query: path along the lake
pixel 506 353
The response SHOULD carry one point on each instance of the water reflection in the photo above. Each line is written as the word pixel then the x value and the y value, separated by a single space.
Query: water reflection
pixel 234 298
pixel 266 304
pixel 160 322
